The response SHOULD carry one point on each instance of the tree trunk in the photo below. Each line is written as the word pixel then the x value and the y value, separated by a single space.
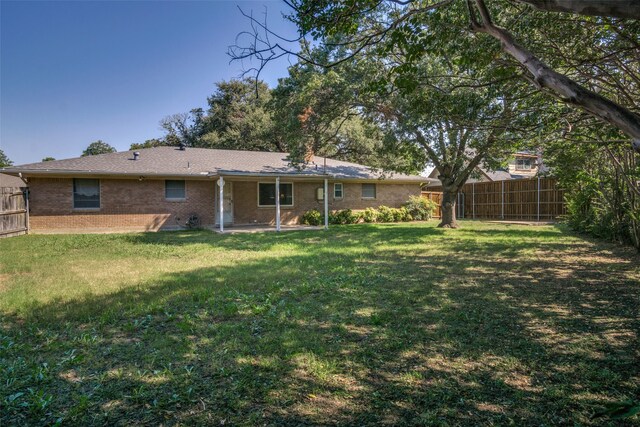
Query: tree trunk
pixel 449 197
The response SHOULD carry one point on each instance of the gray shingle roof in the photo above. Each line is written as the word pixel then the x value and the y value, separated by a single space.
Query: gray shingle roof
pixel 11 181
pixel 499 175
pixel 194 162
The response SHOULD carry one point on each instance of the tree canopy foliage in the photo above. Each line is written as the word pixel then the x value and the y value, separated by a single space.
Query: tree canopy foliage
pixel 542 48
pixel 238 118
pixel 319 113
pixel 245 114
pixel 4 160
pixel 150 143
pixel 98 147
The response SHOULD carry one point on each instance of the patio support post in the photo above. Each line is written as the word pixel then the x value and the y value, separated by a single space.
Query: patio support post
pixel 326 204
pixel 221 201
pixel 277 203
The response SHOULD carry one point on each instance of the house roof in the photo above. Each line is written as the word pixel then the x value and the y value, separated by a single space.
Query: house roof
pixel 203 162
pixel 11 181
pixel 498 175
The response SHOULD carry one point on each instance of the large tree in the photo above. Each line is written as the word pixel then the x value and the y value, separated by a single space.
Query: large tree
pixel 239 117
pixel 98 147
pixel 318 112
pixel 451 116
pixel 183 128
pixel 541 45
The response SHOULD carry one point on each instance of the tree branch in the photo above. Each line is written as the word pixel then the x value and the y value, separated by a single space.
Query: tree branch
pixel 560 85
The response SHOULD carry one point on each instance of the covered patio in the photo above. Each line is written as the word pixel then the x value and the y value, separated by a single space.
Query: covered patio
pixel 220 226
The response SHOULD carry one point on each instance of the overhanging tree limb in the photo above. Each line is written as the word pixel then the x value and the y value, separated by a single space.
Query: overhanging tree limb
pixel 558 84
pixel 615 9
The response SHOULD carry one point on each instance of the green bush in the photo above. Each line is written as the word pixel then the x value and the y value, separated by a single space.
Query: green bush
pixel 345 216
pixel 385 214
pixel 312 217
pixel 420 208
pixel 405 215
pixel 370 215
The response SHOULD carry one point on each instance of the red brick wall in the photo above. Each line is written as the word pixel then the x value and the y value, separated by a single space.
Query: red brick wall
pixel 246 210
pixel 141 205
pixel 124 203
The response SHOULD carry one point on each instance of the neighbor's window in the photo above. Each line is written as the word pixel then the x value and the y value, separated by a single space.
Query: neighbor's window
pixel 267 194
pixel 338 191
pixel 368 191
pixel 174 189
pixel 523 164
pixel 86 193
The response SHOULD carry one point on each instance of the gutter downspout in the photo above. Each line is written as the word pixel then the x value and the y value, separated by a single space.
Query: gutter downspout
pixel 26 201
pixel 326 204
pixel 221 202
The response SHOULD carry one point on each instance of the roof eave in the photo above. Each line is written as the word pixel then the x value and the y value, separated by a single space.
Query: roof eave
pixel 70 172
pixel 203 175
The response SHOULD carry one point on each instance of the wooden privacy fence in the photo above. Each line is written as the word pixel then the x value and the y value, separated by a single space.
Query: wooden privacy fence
pixel 14 215
pixel 436 196
pixel 535 199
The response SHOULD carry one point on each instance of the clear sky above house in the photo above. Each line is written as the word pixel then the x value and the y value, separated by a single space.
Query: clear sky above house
pixel 75 72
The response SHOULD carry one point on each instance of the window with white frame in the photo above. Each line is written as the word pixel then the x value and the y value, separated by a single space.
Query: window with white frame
pixel 338 190
pixel 267 194
pixel 523 164
pixel 175 189
pixel 86 193
pixel 368 191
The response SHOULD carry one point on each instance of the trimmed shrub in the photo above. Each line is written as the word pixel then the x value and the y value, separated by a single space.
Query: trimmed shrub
pixel 420 208
pixel 345 216
pixel 416 208
pixel 385 214
pixel 405 215
pixel 370 215
pixel 312 217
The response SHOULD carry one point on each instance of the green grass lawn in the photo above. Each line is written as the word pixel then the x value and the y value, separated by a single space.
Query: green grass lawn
pixel 370 324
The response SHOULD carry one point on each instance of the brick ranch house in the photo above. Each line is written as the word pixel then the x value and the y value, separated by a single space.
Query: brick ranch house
pixel 160 188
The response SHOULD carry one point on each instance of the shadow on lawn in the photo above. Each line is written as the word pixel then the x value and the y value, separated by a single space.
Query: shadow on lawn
pixel 379 336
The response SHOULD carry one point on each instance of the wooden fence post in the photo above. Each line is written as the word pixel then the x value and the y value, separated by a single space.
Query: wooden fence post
pixel 502 209
pixel 26 202
pixel 473 200
pixel 538 202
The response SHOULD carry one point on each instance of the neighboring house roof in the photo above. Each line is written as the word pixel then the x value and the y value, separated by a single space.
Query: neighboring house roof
pixel 11 181
pixel 203 162
pixel 499 175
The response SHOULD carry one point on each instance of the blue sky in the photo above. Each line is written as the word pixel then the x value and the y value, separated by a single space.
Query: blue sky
pixel 75 72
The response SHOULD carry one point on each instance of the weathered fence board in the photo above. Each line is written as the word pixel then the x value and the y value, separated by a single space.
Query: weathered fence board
pixel 14 215
pixel 535 199
pixel 436 197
